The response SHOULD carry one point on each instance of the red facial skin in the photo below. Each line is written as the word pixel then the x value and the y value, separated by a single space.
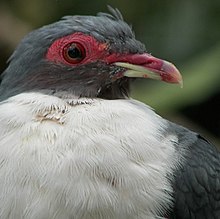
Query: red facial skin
pixel 95 50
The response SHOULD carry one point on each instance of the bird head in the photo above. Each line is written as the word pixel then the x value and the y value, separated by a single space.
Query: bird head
pixel 83 56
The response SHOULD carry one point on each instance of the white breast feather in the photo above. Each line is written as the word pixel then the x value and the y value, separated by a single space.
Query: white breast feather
pixel 103 160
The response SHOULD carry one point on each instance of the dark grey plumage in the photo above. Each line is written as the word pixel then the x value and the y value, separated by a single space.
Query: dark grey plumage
pixel 197 181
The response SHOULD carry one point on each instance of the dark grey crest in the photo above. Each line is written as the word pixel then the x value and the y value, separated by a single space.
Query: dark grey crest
pixel 114 14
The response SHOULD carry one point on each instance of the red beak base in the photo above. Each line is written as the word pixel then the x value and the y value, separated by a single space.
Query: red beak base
pixel 146 66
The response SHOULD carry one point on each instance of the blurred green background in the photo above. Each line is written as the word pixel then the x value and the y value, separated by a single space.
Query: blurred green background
pixel 185 32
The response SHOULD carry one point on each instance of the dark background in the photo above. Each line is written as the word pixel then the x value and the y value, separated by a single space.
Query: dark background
pixel 186 32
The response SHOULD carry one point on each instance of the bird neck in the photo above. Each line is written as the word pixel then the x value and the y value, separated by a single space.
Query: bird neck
pixel 63 82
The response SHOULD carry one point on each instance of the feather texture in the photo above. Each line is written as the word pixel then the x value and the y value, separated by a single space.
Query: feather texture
pixel 87 159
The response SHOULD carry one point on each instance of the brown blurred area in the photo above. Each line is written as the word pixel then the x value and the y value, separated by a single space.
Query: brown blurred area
pixel 184 32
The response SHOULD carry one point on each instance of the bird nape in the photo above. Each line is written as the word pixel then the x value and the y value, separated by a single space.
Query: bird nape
pixel 74 145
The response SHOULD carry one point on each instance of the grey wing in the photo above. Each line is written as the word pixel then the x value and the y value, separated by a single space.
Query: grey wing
pixel 197 181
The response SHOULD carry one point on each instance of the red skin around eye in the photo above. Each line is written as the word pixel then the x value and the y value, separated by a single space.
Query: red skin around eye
pixel 94 50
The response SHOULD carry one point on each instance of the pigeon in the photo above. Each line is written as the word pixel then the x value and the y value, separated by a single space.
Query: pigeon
pixel 75 145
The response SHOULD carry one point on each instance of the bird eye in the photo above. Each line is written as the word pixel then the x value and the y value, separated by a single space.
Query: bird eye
pixel 74 53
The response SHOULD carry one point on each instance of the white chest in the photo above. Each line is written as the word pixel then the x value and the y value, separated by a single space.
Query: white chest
pixel 106 159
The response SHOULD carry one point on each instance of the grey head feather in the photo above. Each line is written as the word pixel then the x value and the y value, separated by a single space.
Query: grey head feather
pixel 114 14
pixel 29 56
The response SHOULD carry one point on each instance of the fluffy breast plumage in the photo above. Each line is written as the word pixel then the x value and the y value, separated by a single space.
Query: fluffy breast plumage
pixel 90 159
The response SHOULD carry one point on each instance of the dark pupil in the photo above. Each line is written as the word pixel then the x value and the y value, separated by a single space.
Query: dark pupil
pixel 74 52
